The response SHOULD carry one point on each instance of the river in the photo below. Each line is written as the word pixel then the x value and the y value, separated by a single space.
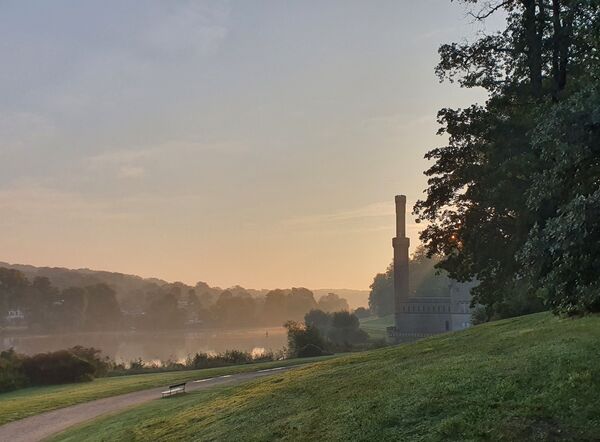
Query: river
pixel 154 346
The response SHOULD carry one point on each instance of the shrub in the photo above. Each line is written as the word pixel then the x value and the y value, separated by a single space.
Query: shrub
pixel 136 364
pixel 57 368
pixel 310 350
pixel 346 331
pixel 229 357
pixel 93 356
pixel 11 376
pixel 200 360
pixel 235 357
pixel 362 313
pixel 300 336
pixel 340 330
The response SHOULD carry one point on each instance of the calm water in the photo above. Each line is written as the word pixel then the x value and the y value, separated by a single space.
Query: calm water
pixel 126 346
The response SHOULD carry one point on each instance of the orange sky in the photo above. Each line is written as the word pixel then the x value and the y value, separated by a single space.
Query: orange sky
pixel 247 143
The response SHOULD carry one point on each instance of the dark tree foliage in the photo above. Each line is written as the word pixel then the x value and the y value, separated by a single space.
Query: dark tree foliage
pixel 340 330
pixel 345 330
pixel 562 253
pixel 303 340
pixel 57 367
pixel 481 205
pixel 11 374
pixel 362 313
pixel 381 297
pixel 318 319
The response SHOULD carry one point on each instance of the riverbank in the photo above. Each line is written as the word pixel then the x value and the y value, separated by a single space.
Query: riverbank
pixel 30 401
pixel 535 377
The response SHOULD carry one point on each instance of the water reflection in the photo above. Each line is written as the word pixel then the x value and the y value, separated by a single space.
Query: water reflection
pixel 174 345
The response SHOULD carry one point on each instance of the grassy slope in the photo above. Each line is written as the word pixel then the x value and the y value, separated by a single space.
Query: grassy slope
pixel 375 327
pixel 29 401
pixel 529 378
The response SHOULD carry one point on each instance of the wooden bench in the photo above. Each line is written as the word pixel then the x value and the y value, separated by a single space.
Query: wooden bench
pixel 174 389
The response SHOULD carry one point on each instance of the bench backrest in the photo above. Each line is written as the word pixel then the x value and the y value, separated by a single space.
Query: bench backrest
pixel 171 387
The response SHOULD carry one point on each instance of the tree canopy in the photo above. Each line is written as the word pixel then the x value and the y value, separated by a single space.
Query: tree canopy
pixel 511 197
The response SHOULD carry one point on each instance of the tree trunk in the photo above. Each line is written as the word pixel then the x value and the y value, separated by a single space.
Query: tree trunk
pixel 534 45
pixel 556 44
pixel 565 43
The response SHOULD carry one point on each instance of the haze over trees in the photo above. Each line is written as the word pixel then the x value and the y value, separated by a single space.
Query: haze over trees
pixel 322 332
pixel 513 199
pixel 39 305
pixel 424 280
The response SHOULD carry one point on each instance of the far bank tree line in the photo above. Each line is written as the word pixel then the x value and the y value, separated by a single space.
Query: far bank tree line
pixel 44 307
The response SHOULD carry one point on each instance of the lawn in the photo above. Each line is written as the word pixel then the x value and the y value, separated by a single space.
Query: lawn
pixel 29 401
pixel 375 327
pixel 530 378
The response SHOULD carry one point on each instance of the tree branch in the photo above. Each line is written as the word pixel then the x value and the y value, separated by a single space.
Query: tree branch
pixel 482 16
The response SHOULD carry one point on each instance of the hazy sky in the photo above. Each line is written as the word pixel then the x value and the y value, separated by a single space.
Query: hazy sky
pixel 254 143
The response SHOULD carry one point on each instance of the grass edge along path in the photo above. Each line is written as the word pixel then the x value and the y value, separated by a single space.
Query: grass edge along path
pixel 30 401
pixel 528 378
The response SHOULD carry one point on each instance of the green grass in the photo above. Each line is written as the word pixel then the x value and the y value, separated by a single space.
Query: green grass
pixel 29 401
pixel 528 378
pixel 375 327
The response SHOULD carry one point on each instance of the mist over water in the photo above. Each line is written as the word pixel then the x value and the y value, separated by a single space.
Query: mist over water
pixel 154 346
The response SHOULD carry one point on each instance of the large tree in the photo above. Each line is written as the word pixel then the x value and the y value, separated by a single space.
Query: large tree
pixel 479 206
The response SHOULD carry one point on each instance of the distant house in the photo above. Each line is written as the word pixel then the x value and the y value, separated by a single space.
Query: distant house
pixel 15 316
pixel 182 303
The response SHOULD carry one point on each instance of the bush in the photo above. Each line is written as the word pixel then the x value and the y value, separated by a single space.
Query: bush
pixel 235 357
pixel 101 364
pixel 311 350
pixel 11 376
pixel 230 357
pixel 300 336
pixel 57 367
pixel 340 330
pixel 362 313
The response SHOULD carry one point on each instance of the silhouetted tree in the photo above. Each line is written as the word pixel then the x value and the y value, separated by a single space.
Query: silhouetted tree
pixel 275 307
pixel 381 297
pixel 101 308
pixel 299 302
pixel 483 211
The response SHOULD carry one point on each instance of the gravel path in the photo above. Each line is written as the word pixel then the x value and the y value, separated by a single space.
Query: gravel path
pixel 41 426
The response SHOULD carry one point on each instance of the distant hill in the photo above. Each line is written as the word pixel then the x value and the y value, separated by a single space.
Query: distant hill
pixel 63 278
pixel 128 286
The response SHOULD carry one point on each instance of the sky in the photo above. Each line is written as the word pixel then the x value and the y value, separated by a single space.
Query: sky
pixel 258 143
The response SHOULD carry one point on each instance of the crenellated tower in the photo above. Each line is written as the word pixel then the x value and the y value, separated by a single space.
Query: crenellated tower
pixel 417 317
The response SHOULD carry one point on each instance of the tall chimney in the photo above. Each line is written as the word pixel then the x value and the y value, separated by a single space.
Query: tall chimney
pixel 400 216
pixel 400 244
